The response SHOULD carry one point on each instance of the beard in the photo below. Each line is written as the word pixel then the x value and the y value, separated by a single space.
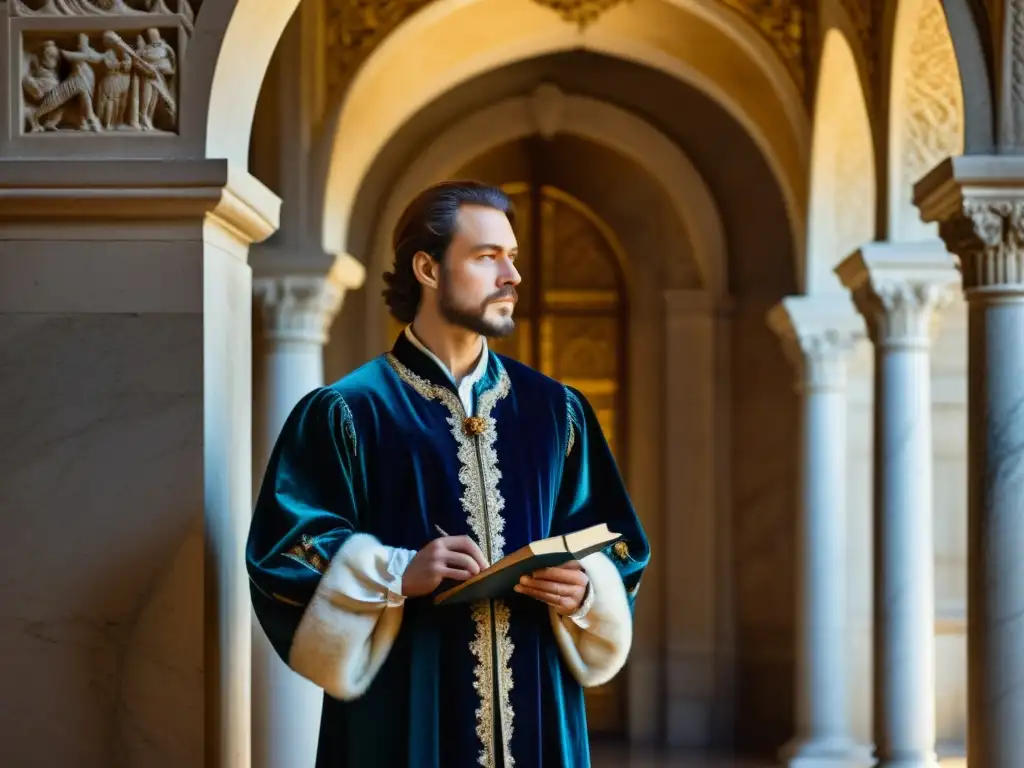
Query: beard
pixel 475 318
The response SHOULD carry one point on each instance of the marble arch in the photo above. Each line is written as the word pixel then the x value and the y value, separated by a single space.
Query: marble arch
pixel 842 200
pixel 926 111
pixel 432 52
pixel 549 111
pixel 232 46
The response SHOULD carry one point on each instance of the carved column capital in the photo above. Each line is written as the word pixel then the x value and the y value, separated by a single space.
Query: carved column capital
pixel 818 334
pixel 900 289
pixel 978 202
pixel 298 298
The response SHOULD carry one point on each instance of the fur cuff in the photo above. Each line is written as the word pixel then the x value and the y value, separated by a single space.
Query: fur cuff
pixel 595 648
pixel 352 621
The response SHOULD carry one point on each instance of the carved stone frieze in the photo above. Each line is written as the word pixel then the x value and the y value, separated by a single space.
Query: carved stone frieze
pixel 100 82
pixel 180 8
pixel 99 66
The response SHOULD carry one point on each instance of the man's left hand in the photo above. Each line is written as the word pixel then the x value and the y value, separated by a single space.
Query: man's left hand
pixel 562 588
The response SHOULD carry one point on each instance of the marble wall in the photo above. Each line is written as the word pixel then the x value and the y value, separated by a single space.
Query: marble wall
pixel 115 441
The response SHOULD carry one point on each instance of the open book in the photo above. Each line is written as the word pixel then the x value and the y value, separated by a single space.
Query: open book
pixel 502 577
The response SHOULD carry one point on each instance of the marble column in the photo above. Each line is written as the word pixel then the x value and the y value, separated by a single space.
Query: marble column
pixel 298 300
pixel 125 351
pixel 899 288
pixel 979 204
pixel 818 334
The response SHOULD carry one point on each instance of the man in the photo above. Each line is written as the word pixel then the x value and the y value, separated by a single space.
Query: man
pixel 424 465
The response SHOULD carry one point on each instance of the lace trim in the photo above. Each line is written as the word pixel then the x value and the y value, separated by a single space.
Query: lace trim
pixel 480 482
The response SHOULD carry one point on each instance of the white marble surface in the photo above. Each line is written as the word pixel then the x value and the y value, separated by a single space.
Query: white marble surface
pixel 102 467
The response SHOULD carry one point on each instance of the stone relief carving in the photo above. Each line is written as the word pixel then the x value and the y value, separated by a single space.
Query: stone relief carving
pixel 988 236
pixel 582 13
pixel 784 23
pixel 100 83
pixel 354 28
pixel 933 101
pixel 180 8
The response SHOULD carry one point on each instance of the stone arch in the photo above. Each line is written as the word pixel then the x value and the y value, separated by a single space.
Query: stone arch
pixel 433 51
pixel 228 59
pixel 842 201
pixel 549 111
pixel 926 111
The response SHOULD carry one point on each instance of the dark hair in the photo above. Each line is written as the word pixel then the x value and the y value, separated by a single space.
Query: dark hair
pixel 428 224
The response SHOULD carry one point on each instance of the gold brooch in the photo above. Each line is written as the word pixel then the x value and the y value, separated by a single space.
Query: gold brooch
pixel 474 425
pixel 621 550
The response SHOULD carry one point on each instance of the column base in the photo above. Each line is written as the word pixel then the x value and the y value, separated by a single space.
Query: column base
pixel 918 760
pixel 825 753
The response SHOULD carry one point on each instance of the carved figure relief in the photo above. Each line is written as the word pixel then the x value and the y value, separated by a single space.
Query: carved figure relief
pixel 180 8
pixel 111 86
pixel 123 79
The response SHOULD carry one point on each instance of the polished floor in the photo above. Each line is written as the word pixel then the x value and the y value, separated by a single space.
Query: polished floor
pixel 614 757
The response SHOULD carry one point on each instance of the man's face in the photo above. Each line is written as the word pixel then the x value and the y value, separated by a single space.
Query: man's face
pixel 478 277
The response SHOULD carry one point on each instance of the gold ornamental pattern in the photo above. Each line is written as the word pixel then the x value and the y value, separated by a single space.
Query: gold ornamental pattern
pixel 482 502
pixel 355 27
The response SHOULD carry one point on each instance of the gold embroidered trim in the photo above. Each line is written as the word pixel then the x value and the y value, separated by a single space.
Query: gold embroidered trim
pixel 305 553
pixel 481 497
pixel 349 425
pixel 502 624
pixel 570 422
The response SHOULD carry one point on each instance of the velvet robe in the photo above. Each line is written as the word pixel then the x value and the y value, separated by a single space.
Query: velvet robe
pixel 363 473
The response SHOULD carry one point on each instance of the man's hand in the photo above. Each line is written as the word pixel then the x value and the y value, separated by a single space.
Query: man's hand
pixel 449 557
pixel 562 588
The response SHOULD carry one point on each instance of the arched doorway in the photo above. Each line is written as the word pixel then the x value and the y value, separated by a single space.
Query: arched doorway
pixel 571 325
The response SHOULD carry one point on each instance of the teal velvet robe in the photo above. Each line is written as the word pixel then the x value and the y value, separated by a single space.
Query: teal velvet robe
pixel 383 452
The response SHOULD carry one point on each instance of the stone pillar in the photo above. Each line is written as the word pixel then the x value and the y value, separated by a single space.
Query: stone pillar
pixel 125 347
pixel 298 302
pixel 899 288
pixel 818 334
pixel 698 629
pixel 979 204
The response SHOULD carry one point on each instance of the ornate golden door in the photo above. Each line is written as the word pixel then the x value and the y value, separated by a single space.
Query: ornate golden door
pixel 571 325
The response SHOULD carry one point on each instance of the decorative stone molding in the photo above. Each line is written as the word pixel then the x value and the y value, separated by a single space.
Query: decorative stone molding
pixel 74 77
pixel 138 190
pixel 582 13
pixel 354 28
pixel 978 202
pixel 818 333
pixel 900 288
pixel 300 297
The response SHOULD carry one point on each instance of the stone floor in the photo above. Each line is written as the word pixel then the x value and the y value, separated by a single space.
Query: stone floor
pixel 614 757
